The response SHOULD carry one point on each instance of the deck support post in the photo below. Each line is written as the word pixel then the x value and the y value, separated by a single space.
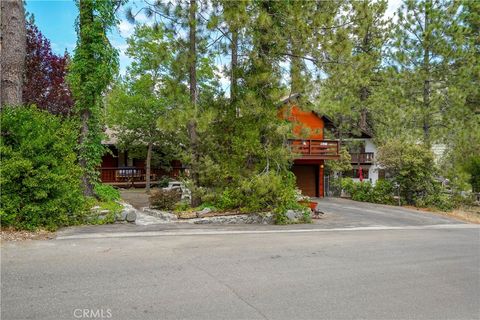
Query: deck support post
pixel 321 191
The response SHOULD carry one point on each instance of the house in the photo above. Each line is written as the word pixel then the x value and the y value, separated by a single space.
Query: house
pixel 363 152
pixel 120 168
pixel 309 145
pixel 307 142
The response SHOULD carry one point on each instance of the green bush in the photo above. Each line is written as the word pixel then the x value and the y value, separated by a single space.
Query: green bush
pixel 269 191
pixel 438 201
pixel 411 166
pixel 106 193
pixel 165 199
pixel 262 192
pixel 40 180
pixel 382 192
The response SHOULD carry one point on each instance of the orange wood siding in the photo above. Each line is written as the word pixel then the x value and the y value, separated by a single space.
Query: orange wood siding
pixel 304 122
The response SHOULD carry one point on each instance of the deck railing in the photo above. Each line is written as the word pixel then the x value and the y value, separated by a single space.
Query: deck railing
pixel 315 149
pixel 131 175
pixel 366 157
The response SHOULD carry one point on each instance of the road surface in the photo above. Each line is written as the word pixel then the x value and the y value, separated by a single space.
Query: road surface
pixel 392 271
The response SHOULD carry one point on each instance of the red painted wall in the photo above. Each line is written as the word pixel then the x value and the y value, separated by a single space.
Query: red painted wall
pixel 304 121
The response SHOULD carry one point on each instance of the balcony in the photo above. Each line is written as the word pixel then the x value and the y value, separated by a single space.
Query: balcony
pixel 314 149
pixel 365 157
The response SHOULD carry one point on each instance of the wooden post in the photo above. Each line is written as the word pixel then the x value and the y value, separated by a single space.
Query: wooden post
pixel 321 190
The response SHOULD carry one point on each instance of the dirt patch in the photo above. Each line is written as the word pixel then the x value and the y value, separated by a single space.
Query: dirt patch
pixel 136 197
pixel 20 235
pixel 469 214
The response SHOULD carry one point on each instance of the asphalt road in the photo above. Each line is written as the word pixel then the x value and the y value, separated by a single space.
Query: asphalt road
pixel 412 270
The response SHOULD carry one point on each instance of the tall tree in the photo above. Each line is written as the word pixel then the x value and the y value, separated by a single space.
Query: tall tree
pixel 93 67
pixel 138 101
pixel 12 52
pixel 45 75
pixel 355 50
pixel 425 47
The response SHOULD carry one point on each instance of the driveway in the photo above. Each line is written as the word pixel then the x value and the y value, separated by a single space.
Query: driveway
pixel 343 213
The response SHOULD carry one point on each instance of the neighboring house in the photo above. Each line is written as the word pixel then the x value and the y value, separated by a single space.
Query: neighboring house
pixel 118 168
pixel 363 153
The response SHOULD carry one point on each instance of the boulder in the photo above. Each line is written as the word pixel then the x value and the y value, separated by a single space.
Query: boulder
pixel 131 216
pixel 295 215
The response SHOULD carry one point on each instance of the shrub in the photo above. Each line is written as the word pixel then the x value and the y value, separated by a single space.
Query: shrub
pixel 382 192
pixel 165 199
pixel 269 191
pixel 40 180
pixel 411 165
pixel 438 201
pixel 106 193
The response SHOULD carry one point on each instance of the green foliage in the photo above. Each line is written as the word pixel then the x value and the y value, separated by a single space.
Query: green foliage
pixel 164 199
pixel 106 192
pixel 39 175
pixel 94 64
pixel 437 200
pixel 473 168
pixel 382 192
pixel 342 164
pixel 263 192
pixel 411 166
pixel 163 181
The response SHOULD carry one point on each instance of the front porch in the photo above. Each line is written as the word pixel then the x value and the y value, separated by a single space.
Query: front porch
pixel 133 177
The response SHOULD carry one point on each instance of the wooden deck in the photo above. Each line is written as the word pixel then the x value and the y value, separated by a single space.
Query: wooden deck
pixel 129 177
pixel 315 149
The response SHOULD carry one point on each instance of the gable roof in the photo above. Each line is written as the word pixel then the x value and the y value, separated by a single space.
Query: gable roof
pixel 328 121
pixel 293 97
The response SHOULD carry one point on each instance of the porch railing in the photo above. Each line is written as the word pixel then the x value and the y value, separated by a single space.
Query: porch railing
pixel 130 175
pixel 315 149
pixel 366 157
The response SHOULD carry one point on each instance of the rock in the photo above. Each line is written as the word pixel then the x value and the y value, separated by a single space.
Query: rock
pixel 291 215
pixel 187 215
pixel 131 216
pixel 164 215
pixel 253 218
pixel 203 212
pixel 104 212
pixel 122 215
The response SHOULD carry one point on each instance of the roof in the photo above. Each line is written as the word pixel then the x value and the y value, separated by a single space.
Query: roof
pixel 328 121
pixel 294 96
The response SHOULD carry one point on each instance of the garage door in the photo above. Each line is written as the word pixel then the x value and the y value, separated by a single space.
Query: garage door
pixel 306 176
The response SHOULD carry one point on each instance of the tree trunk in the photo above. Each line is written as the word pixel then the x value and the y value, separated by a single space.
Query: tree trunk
pixel 148 167
pixel 192 124
pixel 426 81
pixel 86 20
pixel 234 64
pixel 86 183
pixel 364 94
pixel 13 44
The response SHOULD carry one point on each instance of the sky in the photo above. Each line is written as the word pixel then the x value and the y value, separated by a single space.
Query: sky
pixel 56 20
